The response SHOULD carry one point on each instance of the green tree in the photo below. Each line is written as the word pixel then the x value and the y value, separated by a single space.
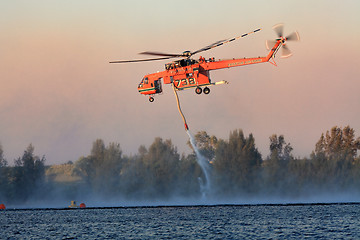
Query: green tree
pixel 4 183
pixel 338 144
pixel 189 173
pixel 90 167
pixel 109 172
pixel 236 164
pixel 336 153
pixel 101 169
pixel 161 163
pixel 279 149
pixel 132 175
pixel 3 162
pixel 29 175
pixel 276 167
pixel 85 169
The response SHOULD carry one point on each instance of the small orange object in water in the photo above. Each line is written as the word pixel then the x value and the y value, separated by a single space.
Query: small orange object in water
pixel 82 205
pixel 2 206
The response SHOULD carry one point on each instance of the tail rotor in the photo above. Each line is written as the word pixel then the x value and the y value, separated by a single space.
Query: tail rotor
pixel 294 36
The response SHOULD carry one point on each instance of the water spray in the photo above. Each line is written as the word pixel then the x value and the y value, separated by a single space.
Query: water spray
pixel 204 165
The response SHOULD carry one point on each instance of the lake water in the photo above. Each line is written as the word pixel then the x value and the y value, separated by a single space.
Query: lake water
pixel 294 221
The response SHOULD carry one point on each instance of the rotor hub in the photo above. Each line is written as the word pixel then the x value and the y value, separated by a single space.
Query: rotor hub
pixel 187 54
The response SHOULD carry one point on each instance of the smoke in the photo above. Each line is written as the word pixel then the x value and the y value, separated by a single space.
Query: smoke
pixel 205 187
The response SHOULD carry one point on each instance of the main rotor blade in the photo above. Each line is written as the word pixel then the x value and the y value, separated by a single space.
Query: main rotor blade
pixel 161 54
pixel 279 28
pixel 141 60
pixel 222 42
pixel 215 44
pixel 293 37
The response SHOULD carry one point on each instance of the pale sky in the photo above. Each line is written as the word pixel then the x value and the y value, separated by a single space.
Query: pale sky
pixel 59 92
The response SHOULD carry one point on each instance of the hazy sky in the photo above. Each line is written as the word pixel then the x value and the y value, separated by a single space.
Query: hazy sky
pixel 59 92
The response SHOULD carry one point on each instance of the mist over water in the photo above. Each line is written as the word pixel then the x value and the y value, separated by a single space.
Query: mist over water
pixel 205 187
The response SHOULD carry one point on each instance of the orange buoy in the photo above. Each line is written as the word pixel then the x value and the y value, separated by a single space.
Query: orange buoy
pixel 82 205
pixel 2 206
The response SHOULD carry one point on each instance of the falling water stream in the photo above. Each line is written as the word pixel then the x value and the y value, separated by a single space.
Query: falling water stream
pixel 204 164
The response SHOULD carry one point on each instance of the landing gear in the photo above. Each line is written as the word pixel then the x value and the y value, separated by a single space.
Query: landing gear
pixel 151 99
pixel 198 90
pixel 206 90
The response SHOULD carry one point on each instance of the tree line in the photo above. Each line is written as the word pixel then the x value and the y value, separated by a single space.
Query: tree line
pixel 237 169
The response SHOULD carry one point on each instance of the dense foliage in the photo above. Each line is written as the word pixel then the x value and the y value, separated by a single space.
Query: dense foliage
pixel 237 169
pixel 25 180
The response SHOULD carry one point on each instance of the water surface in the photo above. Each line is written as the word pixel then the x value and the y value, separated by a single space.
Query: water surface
pixel 295 221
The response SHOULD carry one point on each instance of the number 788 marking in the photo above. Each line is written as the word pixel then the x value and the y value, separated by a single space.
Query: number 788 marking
pixel 185 82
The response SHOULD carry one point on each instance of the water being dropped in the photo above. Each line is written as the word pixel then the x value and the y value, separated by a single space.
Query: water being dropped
pixel 204 165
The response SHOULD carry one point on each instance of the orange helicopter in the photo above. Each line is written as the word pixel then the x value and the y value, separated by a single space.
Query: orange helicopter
pixel 191 73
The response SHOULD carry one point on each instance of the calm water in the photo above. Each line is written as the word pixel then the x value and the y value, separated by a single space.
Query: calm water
pixel 313 221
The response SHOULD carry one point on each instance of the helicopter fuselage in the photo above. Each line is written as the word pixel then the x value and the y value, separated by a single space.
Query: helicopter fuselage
pixel 191 73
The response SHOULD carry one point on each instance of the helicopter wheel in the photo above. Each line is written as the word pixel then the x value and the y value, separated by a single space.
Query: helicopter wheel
pixel 206 90
pixel 151 99
pixel 198 90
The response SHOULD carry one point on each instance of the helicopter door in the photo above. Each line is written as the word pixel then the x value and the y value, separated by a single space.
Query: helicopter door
pixel 157 84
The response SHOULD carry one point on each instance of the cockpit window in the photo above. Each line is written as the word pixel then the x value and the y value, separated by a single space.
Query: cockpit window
pixel 146 80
